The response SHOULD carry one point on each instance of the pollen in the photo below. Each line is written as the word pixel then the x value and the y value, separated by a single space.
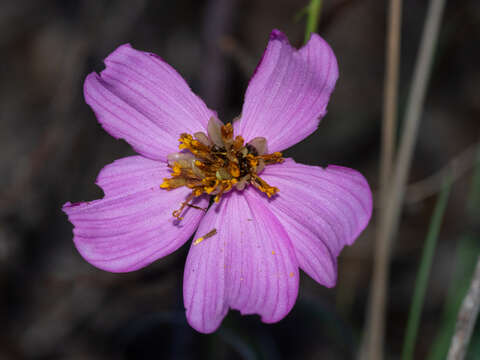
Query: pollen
pixel 217 163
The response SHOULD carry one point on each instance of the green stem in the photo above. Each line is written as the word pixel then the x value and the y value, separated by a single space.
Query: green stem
pixel 313 11
pixel 467 252
pixel 424 271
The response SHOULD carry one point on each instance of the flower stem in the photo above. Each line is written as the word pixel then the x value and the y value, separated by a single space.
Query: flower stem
pixel 424 271
pixel 313 14
pixel 390 220
pixel 463 266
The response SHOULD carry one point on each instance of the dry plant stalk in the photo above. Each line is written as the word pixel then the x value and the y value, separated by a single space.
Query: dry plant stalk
pixel 390 219
pixel 389 124
pixel 466 319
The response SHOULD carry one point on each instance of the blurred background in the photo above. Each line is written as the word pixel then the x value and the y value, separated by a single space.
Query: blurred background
pixel 54 305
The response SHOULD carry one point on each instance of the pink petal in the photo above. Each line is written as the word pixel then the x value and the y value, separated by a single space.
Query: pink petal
pixel 132 225
pixel 322 210
pixel 288 94
pixel 249 265
pixel 140 98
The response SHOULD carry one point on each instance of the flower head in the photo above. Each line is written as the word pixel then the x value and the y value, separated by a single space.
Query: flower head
pixel 269 216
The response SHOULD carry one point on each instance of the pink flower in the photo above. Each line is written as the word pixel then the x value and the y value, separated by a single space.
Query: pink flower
pixel 271 217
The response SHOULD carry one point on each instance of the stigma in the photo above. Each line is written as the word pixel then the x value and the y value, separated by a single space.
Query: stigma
pixel 217 162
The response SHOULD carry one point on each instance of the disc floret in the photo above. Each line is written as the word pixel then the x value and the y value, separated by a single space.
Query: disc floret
pixel 216 163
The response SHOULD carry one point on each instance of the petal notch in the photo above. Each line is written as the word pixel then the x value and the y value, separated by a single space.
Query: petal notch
pixel 132 225
pixel 142 99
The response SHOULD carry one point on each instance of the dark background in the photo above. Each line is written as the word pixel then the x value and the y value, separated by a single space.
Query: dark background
pixel 54 305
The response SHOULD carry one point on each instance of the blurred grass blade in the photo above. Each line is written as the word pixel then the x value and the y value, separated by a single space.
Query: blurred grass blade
pixel 473 206
pixel 468 250
pixel 424 271
pixel 474 348
pixel 299 15
pixel 241 346
pixel 313 11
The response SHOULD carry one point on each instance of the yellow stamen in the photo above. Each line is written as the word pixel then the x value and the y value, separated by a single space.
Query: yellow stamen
pixel 173 183
pixel 204 237
pixel 274 158
pixel 263 186
pixel 177 169
pixel 215 164
pixel 227 133
pixel 197 191
pixel 233 169
pixel 177 213
pixel 238 143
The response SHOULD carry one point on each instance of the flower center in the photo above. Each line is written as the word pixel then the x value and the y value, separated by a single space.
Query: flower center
pixel 216 163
